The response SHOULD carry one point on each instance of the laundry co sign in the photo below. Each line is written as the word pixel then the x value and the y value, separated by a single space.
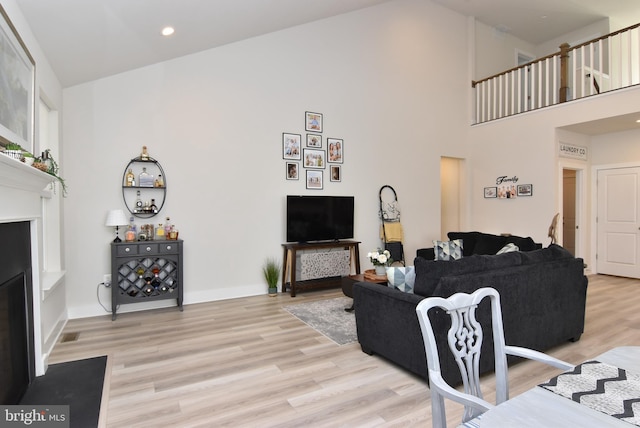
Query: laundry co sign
pixel 571 151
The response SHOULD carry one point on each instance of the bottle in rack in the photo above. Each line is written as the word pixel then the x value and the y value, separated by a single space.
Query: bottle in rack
pixel 130 179
pixel 153 208
pixel 138 207
pixel 145 179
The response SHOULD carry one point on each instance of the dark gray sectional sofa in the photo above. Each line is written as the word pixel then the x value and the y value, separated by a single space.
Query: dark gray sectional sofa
pixel 542 292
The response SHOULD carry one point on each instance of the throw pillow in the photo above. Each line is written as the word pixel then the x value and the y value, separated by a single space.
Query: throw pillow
pixel 509 248
pixel 448 250
pixel 401 278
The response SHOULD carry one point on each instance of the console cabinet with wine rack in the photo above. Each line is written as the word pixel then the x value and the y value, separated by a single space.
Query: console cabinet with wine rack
pixel 145 271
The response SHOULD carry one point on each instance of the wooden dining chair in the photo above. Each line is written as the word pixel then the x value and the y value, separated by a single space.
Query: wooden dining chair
pixel 465 340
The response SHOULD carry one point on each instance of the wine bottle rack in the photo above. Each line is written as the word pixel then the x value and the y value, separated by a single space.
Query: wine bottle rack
pixel 146 271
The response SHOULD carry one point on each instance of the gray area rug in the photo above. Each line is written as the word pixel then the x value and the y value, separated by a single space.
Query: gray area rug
pixel 329 318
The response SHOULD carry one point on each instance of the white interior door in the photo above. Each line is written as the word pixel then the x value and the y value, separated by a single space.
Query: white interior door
pixel 618 222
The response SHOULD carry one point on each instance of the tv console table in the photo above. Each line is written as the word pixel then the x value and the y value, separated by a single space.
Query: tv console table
pixel 289 265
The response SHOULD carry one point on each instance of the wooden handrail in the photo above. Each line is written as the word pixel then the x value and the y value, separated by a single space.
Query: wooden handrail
pixel 568 48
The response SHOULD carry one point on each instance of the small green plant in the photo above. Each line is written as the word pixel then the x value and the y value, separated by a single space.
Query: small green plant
pixel 13 146
pixel 52 168
pixel 271 273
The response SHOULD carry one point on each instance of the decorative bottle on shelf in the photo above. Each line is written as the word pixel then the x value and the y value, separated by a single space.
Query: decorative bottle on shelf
pixel 138 208
pixel 160 231
pixel 145 179
pixel 160 181
pixel 130 179
pixel 167 228
pixel 144 155
pixel 153 207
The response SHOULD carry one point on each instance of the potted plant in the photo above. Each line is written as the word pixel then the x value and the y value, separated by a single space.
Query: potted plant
pixel 271 272
pixel 48 164
pixel 13 151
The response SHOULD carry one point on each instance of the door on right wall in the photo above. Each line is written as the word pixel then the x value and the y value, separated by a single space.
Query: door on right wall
pixel 618 222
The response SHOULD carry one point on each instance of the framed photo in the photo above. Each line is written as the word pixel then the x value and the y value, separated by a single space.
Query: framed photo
pixel 336 173
pixel 291 146
pixel 490 192
pixel 314 158
pixel 312 121
pixel 335 147
pixel 292 170
pixel 507 191
pixel 525 189
pixel 314 179
pixel 18 98
pixel 314 140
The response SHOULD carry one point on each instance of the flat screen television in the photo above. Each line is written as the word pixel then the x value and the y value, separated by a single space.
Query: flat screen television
pixel 319 218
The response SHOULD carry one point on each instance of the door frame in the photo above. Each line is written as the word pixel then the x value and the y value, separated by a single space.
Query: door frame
pixel 581 203
pixel 594 205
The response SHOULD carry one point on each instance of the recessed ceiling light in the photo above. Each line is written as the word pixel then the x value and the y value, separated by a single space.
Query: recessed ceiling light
pixel 167 31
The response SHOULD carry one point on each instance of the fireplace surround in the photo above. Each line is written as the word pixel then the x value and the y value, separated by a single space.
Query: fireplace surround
pixel 24 193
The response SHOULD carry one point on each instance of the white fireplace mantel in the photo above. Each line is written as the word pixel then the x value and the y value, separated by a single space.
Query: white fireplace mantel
pixel 18 175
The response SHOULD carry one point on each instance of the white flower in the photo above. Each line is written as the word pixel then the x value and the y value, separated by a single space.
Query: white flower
pixel 382 258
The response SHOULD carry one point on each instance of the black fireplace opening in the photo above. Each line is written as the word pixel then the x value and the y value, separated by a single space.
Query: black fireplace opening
pixel 17 358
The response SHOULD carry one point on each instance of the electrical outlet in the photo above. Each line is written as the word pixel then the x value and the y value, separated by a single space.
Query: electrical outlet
pixel 107 279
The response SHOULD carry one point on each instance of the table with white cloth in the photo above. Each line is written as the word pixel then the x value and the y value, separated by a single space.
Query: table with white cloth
pixel 540 407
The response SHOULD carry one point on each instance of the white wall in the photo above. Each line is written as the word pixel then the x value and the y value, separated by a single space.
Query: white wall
pixel 616 148
pixel 526 146
pixel 496 50
pixel 214 120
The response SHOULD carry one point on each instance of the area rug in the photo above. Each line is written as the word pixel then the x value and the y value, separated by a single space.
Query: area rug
pixel 77 384
pixel 328 317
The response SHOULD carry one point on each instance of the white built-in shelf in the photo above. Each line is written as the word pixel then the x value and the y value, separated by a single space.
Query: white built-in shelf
pixel 49 281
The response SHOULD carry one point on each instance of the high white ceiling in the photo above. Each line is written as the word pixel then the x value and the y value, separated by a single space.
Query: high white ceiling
pixel 86 40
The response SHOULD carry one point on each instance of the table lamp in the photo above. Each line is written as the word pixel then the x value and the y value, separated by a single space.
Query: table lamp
pixel 116 218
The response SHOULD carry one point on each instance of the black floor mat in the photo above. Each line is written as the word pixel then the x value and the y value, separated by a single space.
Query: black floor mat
pixel 77 384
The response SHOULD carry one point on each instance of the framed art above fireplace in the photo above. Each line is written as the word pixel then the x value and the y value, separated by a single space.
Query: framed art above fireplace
pixel 18 97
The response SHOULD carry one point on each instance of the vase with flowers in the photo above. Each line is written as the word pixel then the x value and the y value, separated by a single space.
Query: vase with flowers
pixel 380 259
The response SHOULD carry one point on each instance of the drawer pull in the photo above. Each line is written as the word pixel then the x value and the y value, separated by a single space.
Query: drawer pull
pixel 126 250
pixel 148 248
pixel 168 247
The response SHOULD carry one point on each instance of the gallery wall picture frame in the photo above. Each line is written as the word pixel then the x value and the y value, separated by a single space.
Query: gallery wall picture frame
pixel 490 192
pixel 314 140
pixel 335 173
pixel 314 158
pixel 335 148
pixel 525 190
pixel 17 126
pixel 292 170
pixel 291 146
pixel 312 121
pixel 314 179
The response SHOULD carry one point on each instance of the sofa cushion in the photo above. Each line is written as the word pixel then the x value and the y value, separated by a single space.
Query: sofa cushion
pixel 509 248
pixel 524 244
pixel 448 250
pixel 468 239
pixel 401 278
pixel 429 272
pixel 552 252
pixel 489 244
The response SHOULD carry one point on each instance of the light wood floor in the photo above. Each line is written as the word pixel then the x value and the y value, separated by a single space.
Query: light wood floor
pixel 248 363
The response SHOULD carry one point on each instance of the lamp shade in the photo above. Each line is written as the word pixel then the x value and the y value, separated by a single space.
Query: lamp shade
pixel 116 218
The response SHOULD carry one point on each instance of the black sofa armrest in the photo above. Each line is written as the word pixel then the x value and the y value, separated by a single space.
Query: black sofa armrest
pixel 387 325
